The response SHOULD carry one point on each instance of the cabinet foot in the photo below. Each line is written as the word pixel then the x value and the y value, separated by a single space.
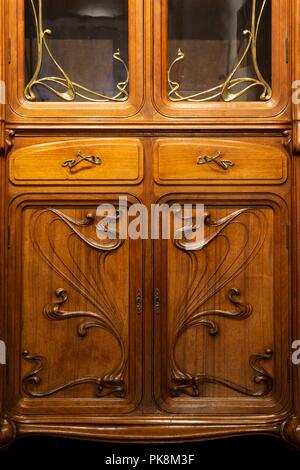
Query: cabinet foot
pixel 8 432
pixel 290 430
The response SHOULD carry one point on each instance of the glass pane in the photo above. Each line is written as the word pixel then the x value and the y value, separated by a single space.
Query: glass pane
pixel 82 54
pixel 219 50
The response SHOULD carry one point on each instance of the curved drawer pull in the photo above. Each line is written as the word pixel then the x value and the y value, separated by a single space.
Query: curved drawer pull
pixel 94 159
pixel 224 164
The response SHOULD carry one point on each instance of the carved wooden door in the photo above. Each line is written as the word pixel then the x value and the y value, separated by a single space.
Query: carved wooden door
pixel 75 308
pixel 221 329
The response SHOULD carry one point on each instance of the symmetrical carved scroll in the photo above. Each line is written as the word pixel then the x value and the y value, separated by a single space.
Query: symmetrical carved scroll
pixel 190 385
pixel 92 287
pixel 225 91
pixel 203 286
pixel 99 320
pixel 108 385
pixel 198 319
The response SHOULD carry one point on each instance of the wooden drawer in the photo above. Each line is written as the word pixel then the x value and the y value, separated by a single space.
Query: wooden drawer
pixel 107 161
pixel 207 161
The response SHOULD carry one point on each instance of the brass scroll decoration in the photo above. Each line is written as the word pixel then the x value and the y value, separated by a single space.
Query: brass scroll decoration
pixel 224 164
pixel 72 89
pixel 225 91
pixel 72 163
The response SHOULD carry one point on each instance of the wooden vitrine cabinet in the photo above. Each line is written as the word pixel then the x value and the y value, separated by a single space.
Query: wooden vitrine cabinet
pixel 150 337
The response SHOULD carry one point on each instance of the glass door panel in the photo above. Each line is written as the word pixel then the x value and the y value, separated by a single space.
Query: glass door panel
pixel 76 50
pixel 220 50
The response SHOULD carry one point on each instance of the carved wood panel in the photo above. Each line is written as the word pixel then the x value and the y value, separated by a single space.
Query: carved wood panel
pixel 219 340
pixel 80 324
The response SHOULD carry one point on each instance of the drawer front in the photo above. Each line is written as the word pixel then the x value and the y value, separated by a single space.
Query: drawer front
pixel 107 161
pixel 192 161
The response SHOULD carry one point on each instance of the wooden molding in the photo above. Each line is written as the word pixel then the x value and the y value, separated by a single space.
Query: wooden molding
pixel 8 431
pixel 9 139
pixel 296 137
pixel 290 430
pixel 295 52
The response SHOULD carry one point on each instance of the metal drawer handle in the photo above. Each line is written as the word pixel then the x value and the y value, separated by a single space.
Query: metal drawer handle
pixel 94 159
pixel 224 164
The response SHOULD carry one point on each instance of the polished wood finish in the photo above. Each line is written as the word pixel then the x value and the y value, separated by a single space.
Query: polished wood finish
pixel 276 108
pixel 120 161
pixel 2 79
pixel 23 110
pixel 150 340
pixel 225 299
pixel 87 310
pixel 181 161
pixel 296 75
pixel 148 104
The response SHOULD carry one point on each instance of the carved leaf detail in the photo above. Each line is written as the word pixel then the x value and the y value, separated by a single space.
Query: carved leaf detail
pixel 202 287
pixel 105 386
pixel 92 287
pixel 186 384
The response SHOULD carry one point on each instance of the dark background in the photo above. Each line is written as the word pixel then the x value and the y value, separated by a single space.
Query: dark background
pixel 42 453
